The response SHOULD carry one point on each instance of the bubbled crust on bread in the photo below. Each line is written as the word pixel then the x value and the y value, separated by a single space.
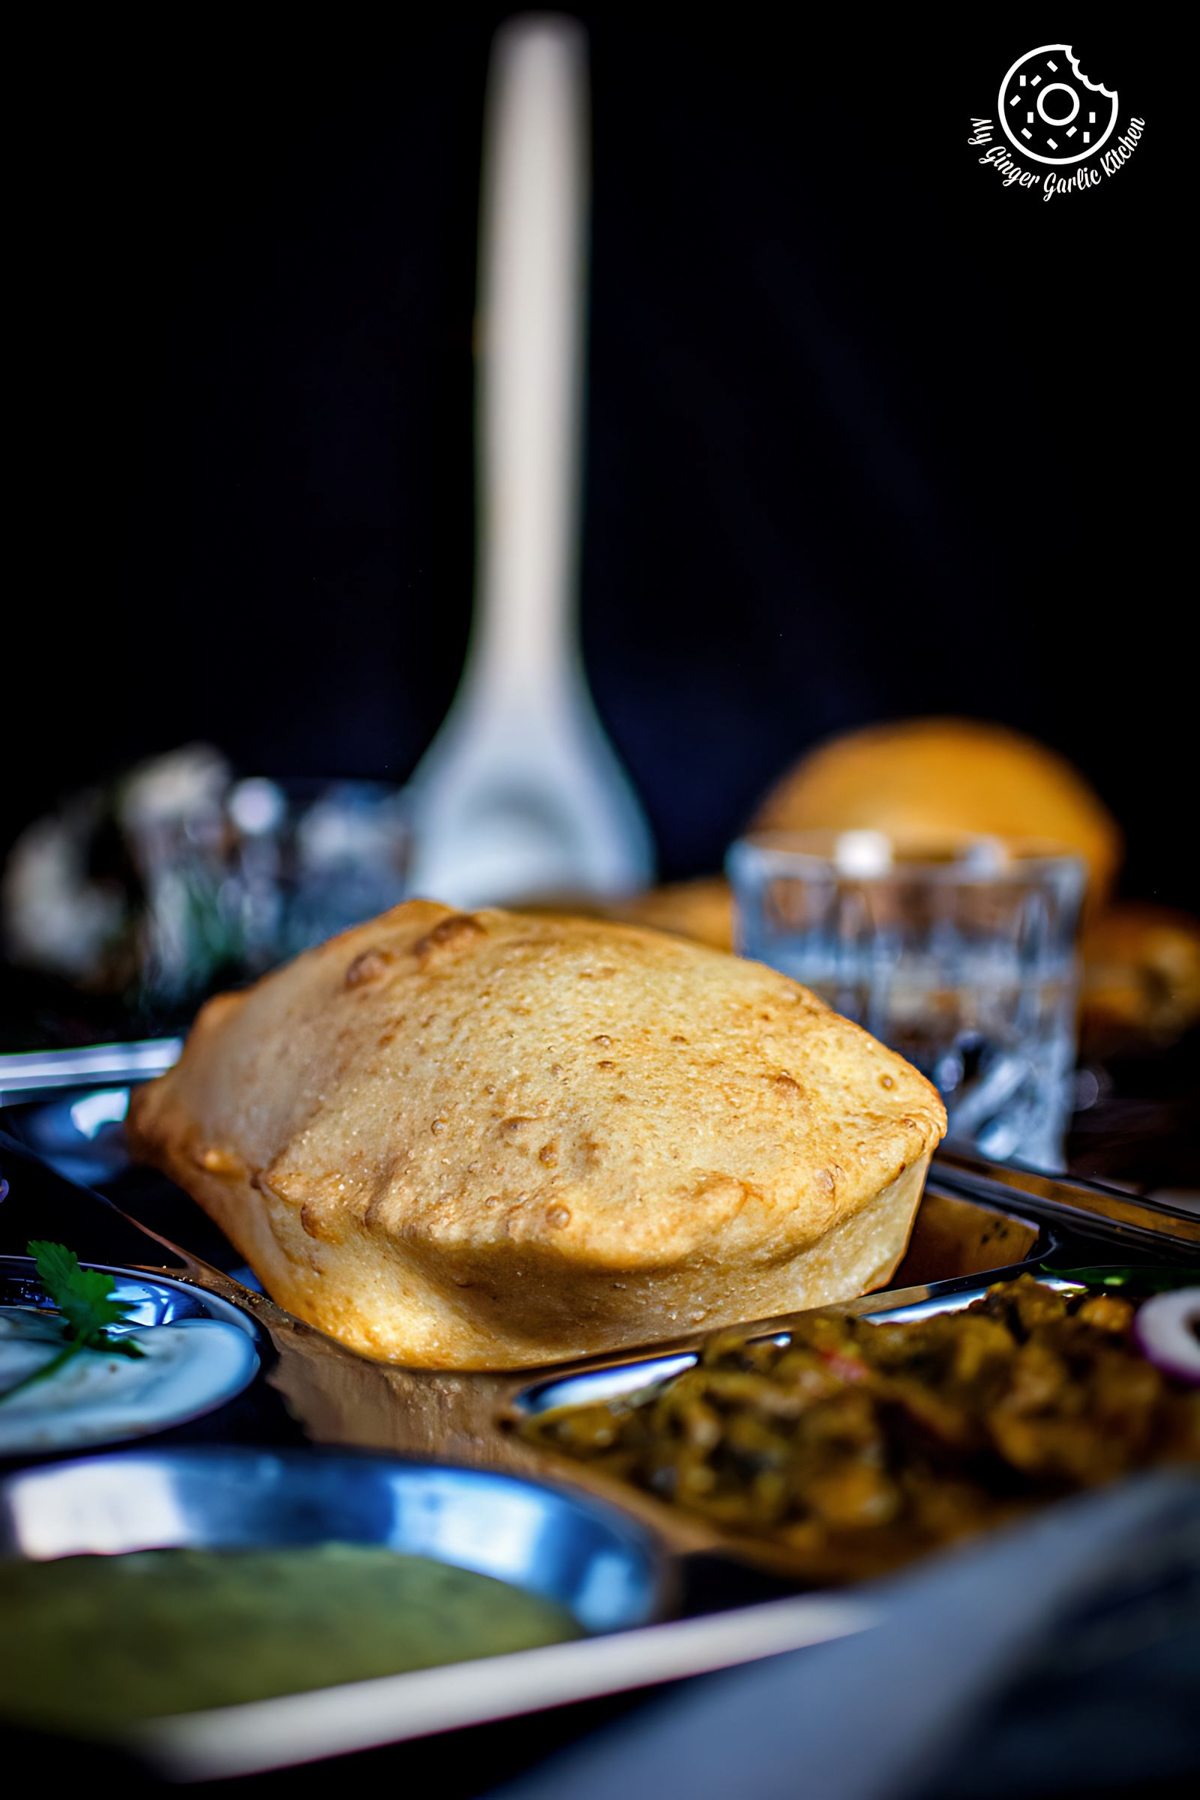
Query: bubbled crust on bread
pixel 441 1124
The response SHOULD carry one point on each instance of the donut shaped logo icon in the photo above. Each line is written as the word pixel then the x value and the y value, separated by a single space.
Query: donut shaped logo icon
pixel 1050 111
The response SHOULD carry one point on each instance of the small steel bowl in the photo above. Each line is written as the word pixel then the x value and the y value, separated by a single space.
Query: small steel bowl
pixel 604 1569
pixel 152 1300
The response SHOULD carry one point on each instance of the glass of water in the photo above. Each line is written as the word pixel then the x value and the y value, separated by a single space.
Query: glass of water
pixel 960 954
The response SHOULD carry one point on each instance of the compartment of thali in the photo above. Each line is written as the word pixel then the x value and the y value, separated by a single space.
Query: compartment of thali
pixel 635 1377
pixel 844 1442
pixel 185 1580
pixel 91 1354
pixel 954 1236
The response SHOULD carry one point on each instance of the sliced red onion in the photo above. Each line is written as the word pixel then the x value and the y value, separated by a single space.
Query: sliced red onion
pixel 1166 1330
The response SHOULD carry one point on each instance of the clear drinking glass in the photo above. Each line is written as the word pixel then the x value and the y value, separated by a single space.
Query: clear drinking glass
pixel 960 954
pixel 250 873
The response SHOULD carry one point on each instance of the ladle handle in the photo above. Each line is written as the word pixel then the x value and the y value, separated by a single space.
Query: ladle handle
pixel 533 250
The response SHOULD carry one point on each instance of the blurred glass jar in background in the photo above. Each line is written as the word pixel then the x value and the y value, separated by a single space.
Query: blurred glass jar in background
pixel 179 878
pixel 314 858
pixel 960 954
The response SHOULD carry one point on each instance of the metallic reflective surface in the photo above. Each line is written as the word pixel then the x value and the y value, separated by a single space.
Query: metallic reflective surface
pixel 1088 1205
pixel 152 1299
pixel 41 1071
pixel 979 1223
pixel 603 1568
pixel 205 1356
pixel 593 1387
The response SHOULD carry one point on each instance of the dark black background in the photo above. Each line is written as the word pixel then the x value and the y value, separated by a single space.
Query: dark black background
pixel 869 434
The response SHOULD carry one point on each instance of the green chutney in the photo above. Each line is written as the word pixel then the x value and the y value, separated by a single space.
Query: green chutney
pixel 93 1643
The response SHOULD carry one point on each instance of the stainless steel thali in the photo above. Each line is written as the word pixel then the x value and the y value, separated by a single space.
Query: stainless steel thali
pixel 977 1223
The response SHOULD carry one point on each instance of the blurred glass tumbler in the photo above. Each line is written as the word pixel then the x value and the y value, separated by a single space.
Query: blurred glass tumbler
pixel 137 898
pixel 961 955
pixel 260 871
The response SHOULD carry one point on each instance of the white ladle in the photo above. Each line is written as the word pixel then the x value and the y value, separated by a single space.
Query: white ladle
pixel 520 793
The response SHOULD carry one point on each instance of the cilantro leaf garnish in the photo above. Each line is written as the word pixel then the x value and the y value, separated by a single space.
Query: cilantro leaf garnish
pixel 82 1296
pixel 86 1310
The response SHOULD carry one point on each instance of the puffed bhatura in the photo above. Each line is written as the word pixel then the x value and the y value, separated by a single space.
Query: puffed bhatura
pixel 497 1140
pixel 700 909
pixel 1141 978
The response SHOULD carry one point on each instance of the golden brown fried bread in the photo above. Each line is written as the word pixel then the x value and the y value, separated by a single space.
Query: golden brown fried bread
pixel 700 909
pixel 929 778
pixel 1141 978
pixel 497 1139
